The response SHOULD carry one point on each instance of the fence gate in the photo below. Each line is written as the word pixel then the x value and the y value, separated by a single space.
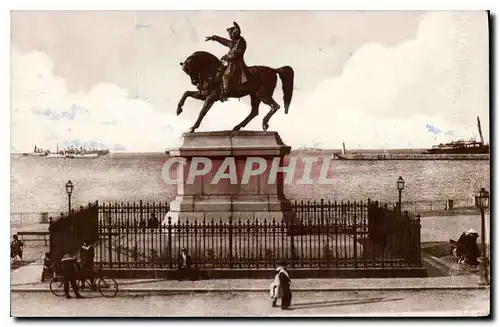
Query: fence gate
pixel 68 232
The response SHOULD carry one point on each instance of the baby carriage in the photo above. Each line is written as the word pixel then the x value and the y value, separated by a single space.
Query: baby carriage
pixel 466 250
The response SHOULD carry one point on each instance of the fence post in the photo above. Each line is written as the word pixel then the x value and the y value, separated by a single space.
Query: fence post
pixel 408 243
pixel 355 240
pixel 230 241
pixel 322 212
pixel 169 242
pixel 292 243
pixel 419 261
pixel 50 238
pixel 110 252
pixel 140 214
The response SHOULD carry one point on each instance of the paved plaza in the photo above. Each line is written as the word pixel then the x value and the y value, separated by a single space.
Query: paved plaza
pixel 230 304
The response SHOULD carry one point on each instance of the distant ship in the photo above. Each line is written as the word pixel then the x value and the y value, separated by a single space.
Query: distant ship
pixel 458 150
pixel 71 153
pixel 462 147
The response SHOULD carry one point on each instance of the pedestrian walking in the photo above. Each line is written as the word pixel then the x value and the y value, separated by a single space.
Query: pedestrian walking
pixel 285 281
pixel 69 272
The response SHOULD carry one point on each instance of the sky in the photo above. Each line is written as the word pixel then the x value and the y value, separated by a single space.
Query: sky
pixel 371 79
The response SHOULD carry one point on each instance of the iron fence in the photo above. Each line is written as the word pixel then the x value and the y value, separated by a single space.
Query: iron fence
pixel 325 235
pixel 397 232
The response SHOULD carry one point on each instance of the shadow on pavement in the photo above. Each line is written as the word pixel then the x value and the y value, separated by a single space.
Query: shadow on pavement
pixel 336 303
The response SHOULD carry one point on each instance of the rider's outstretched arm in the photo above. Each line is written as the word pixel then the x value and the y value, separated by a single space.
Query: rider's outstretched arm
pixel 221 40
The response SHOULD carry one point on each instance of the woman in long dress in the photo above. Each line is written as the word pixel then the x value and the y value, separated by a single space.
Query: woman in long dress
pixel 280 288
pixel 286 293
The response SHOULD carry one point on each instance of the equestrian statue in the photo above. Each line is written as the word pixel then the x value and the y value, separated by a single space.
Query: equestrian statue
pixel 218 80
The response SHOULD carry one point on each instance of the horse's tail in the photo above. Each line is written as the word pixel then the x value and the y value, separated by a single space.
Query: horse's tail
pixel 286 74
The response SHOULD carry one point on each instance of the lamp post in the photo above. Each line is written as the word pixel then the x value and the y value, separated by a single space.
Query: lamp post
pixel 69 190
pixel 482 201
pixel 400 184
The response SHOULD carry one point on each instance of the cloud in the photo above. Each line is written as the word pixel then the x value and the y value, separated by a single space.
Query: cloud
pixel 45 113
pixel 386 96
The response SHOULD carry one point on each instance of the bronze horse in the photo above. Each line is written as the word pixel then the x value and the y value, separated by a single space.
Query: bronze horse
pixel 202 68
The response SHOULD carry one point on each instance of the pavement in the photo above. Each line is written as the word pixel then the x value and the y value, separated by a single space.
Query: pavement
pixel 423 303
pixel 26 279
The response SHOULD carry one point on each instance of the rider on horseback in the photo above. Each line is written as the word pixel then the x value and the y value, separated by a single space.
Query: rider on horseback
pixel 236 65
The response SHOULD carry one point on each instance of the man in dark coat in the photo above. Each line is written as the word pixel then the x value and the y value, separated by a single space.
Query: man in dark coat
pixel 236 68
pixel 285 281
pixel 16 248
pixel 69 272
pixel 87 263
pixel 185 271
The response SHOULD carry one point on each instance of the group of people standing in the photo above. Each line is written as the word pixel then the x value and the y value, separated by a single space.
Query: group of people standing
pixel 280 287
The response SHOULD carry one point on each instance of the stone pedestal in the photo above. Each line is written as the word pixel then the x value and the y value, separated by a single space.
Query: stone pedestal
pixel 207 198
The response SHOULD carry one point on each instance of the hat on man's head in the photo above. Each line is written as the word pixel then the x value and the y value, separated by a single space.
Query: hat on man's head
pixel 235 28
pixel 472 231
pixel 183 250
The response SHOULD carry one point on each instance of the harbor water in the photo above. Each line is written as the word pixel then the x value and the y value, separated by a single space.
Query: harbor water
pixel 37 183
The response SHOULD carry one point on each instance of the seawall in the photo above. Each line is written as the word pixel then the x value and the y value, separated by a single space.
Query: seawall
pixel 411 156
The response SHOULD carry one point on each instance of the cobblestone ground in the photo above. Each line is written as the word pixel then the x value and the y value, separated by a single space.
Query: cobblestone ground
pixel 410 303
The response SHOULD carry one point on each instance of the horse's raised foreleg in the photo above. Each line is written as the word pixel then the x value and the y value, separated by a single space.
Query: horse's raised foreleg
pixel 187 94
pixel 206 107
pixel 254 113
pixel 274 108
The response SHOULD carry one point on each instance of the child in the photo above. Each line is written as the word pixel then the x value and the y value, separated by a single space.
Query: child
pixel 274 289
pixel 48 267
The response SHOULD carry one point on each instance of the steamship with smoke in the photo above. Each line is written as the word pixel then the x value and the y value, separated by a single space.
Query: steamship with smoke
pixel 457 150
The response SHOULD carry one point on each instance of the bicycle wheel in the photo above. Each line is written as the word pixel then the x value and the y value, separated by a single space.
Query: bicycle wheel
pixel 107 287
pixel 87 290
pixel 57 286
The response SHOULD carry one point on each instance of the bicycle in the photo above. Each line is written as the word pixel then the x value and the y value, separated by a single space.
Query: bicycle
pixel 107 286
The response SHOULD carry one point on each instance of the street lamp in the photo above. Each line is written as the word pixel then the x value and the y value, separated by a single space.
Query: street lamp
pixel 69 190
pixel 400 184
pixel 482 201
